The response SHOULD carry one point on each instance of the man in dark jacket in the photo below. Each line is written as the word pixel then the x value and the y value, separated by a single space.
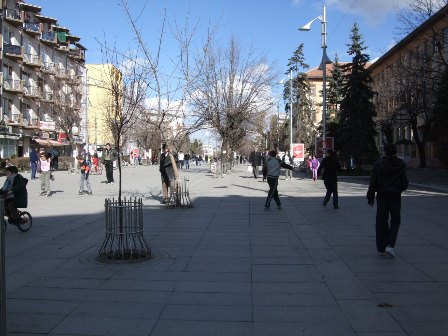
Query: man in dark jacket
pixel 388 181
pixel 330 166
pixel 271 172
pixel 255 161
pixel 14 192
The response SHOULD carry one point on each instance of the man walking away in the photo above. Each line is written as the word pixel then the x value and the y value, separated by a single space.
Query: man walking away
pixel 388 181
pixel 331 167
pixel 271 172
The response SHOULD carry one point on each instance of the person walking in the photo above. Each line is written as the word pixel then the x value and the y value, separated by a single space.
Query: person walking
pixel 110 155
pixel 180 158
pixel 271 172
pixel 34 158
pixel 169 173
pixel 187 160
pixel 84 176
pixel 330 166
pixel 45 174
pixel 388 181
pixel 255 161
pixel 314 167
pixel 288 160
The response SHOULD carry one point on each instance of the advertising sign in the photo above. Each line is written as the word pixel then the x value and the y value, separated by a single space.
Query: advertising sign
pixel 320 147
pixel 298 151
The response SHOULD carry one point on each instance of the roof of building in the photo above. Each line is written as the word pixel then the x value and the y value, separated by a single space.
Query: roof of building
pixel 443 12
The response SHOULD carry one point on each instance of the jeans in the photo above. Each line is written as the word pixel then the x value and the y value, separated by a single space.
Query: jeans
pixel 84 178
pixel 109 165
pixel 45 182
pixel 187 164
pixel 386 234
pixel 273 192
pixel 332 188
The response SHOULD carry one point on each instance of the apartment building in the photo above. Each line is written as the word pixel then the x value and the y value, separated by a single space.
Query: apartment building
pixel 409 72
pixel 43 80
pixel 101 79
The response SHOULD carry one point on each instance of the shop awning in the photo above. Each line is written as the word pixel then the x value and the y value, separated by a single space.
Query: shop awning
pixel 41 142
pixel 54 143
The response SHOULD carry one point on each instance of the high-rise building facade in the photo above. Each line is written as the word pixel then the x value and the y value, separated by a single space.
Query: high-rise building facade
pixel 43 82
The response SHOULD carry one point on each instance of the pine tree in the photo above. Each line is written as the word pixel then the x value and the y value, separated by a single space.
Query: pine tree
pixel 336 82
pixel 301 105
pixel 357 127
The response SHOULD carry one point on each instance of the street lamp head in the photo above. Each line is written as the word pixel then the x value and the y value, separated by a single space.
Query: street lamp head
pixel 307 27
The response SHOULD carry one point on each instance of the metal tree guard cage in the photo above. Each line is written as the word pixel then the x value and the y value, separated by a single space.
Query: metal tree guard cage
pixel 124 232
pixel 179 194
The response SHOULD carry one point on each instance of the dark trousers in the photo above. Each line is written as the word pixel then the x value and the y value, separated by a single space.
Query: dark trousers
pixel 386 234
pixel 273 192
pixel 255 171
pixel 332 188
pixel 33 170
pixel 109 165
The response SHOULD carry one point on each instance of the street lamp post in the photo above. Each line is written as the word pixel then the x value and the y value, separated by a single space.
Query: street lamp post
pixel 323 67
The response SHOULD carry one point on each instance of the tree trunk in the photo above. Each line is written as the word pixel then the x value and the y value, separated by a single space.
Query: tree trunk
pixel 421 146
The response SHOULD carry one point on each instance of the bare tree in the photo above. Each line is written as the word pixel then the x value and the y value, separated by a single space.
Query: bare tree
pixel 229 92
pixel 123 78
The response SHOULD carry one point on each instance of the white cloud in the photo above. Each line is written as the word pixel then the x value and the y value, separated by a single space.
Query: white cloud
pixel 374 11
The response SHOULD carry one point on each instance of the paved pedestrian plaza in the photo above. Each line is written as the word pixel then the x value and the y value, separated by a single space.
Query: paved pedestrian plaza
pixel 226 266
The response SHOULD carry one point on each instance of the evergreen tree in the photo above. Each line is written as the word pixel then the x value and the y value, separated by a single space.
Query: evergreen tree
pixel 336 82
pixel 303 122
pixel 357 127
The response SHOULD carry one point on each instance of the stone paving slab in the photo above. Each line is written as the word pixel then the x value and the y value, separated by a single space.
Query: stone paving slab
pixel 225 266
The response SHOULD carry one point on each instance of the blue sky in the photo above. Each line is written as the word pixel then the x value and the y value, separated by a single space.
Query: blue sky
pixel 270 25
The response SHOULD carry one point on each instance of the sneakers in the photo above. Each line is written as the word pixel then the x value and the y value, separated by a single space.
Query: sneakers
pixel 390 252
pixel 81 192
pixel 267 209
pixel 279 207
pixel 336 206
pixel 325 203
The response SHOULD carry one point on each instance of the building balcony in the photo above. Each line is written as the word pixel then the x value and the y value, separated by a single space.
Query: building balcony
pixel 62 73
pixel 49 38
pixel 13 51
pixel 13 16
pixel 47 97
pixel 32 60
pixel 63 48
pixel 13 85
pixel 77 54
pixel 32 28
pixel 13 119
pixel 29 122
pixel 31 91
pixel 48 67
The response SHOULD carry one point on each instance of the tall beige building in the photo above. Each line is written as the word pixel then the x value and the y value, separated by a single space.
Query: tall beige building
pixel 101 79
pixel 43 78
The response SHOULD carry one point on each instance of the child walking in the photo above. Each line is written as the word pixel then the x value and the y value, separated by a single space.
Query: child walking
pixel 84 176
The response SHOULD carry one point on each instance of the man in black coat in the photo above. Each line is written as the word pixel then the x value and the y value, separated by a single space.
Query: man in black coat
pixel 330 166
pixel 388 181
pixel 255 161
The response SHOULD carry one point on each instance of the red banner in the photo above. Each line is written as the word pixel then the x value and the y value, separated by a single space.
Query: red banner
pixel 298 151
